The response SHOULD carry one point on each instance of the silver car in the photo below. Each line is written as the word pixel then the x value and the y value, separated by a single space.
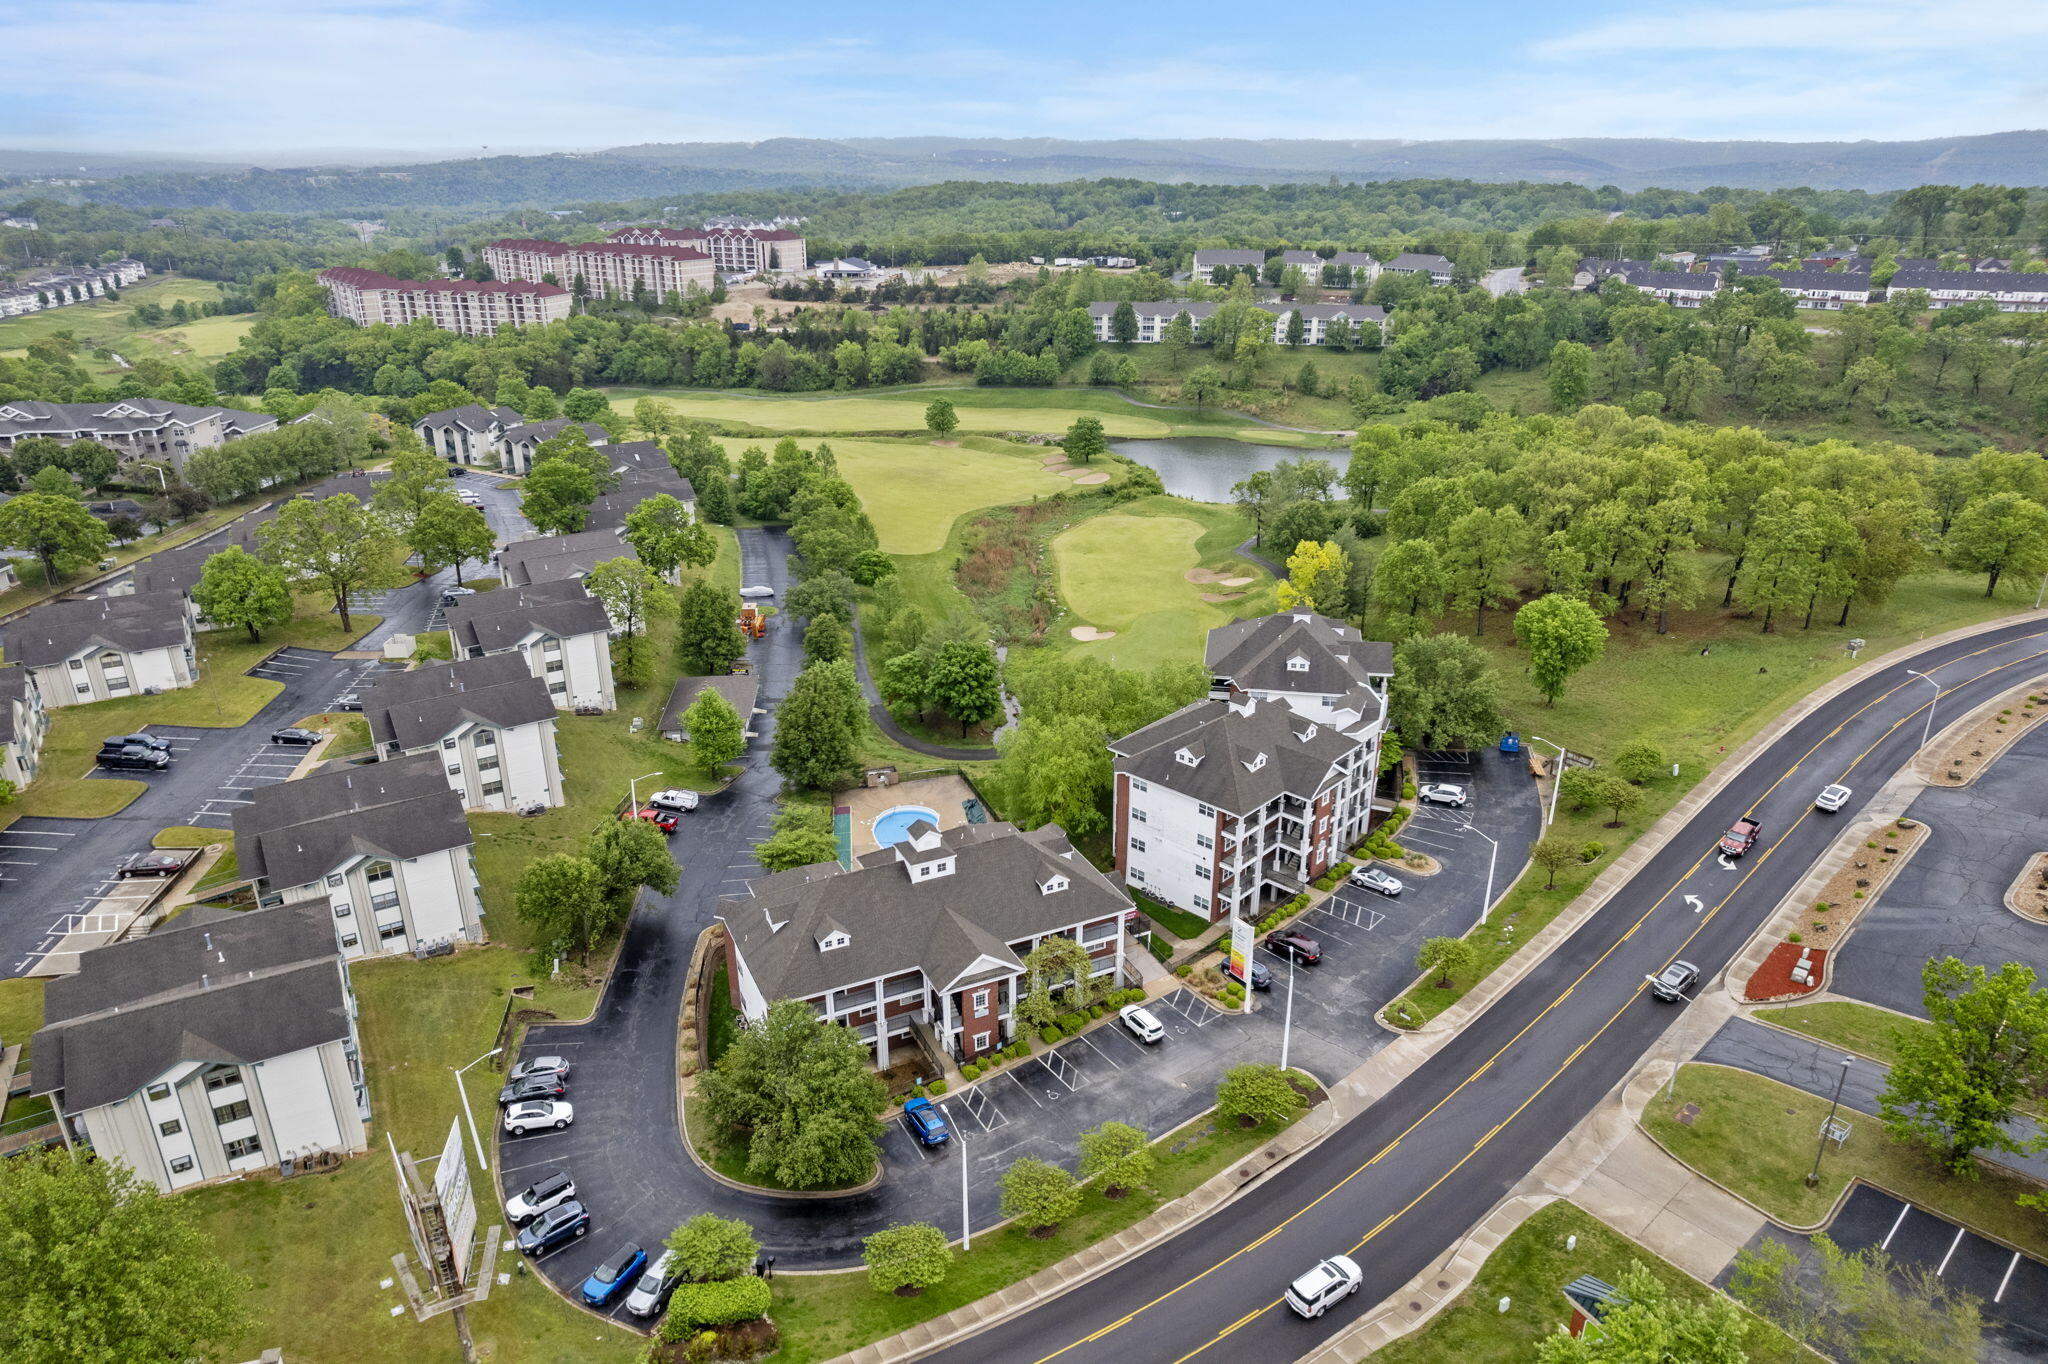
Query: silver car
pixel 539 1065
pixel 1444 793
pixel 651 1291
pixel 1376 879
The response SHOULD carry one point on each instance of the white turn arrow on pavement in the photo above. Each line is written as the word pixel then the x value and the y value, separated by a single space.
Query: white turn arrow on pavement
pixel 1726 865
pixel 1696 903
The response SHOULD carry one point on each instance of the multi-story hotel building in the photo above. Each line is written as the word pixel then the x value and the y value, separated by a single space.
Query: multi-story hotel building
pixel 471 307
pixel 748 249
pixel 609 269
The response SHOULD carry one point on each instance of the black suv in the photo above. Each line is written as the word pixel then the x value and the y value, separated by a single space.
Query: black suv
pixel 531 1088
pixel 134 756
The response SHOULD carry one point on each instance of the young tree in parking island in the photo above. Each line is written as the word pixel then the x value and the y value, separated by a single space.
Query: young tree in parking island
pixel 57 530
pixel 1956 1084
pixel 907 1258
pixel 1562 635
pixel 335 544
pixel 1085 440
pixel 717 733
pixel 557 497
pixel 448 534
pixel 415 479
pixel 1039 1195
pixel 708 637
pixel 1447 957
pixel 100 1268
pixel 711 1249
pixel 804 1093
pixel 1255 1093
pixel 939 417
pixel 237 588
pixel 1117 1155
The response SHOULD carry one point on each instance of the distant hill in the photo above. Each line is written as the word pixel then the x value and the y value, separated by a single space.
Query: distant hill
pixel 659 169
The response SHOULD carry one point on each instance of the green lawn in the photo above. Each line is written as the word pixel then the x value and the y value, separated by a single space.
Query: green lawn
pixel 1125 571
pixel 1757 1137
pixel 112 325
pixel 824 1315
pixel 224 698
pixel 207 339
pixel 913 490
pixel 723 1022
pixel 1862 1028
pixel 1530 1269
pixel 21 1009
pixel 1178 922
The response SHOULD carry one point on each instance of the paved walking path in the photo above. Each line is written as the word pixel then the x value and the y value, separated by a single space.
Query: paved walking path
pixel 1815 1067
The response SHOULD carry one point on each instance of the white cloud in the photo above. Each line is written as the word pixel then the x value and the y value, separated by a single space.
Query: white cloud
pixel 1820 32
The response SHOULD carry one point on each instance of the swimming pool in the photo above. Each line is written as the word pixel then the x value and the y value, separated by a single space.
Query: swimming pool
pixel 893 826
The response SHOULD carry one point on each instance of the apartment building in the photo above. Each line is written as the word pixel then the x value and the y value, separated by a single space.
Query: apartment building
pixel 643 471
pixel 1204 266
pixel 470 307
pixel 1308 262
pixel 469 435
pixel 613 269
pixel 1679 288
pixel 489 722
pixel 1362 265
pixel 24 722
pixel 1825 289
pixel 517 445
pixel 133 428
pixel 215 1047
pixel 557 629
pixel 930 933
pixel 741 248
pixel 555 558
pixel 2009 292
pixel 63 287
pixel 95 648
pixel 1437 268
pixel 1154 318
pixel 382 850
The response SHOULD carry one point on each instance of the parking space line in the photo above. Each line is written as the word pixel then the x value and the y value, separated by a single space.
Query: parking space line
pixel 2007 1280
pixel 904 1122
pixel 1100 1052
pixel 1064 1072
pixel 31 847
pixel 1011 1075
pixel 1951 1253
pixel 1886 1243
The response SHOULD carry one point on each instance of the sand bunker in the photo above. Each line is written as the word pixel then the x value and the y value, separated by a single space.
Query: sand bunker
pixel 1212 575
pixel 1088 634
pixel 1092 478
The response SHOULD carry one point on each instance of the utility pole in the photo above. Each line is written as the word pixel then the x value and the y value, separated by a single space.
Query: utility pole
pixel 1287 1016
pixel 1820 1146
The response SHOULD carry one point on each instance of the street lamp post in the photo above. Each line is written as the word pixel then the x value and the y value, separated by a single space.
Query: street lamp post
pixel 470 1117
pixel 633 788
pixel 1287 1016
pixel 960 1140
pixel 1928 728
pixel 1556 778
pixel 1821 1145
pixel 1486 905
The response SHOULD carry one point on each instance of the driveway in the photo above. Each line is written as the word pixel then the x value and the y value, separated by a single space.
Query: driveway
pixel 1949 898
pixel 2011 1288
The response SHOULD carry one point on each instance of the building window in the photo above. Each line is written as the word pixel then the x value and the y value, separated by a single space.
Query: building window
pixel 1136 874
pixel 1205 811
pixel 1137 845
pixel 1202 903
pixel 159 1092
pixel 221 1079
pixel 181 1164
pixel 981 1040
pixel 1204 841
pixel 334 880
pixel 1139 815
pixel 448 744
pixel 1201 871
pixel 979 1003
pixel 1137 785
pixel 386 932
pixel 494 788
pixel 246 1146
pixel 343 911
pixel 233 1112
pixel 349 940
pixel 1100 932
pixel 170 1127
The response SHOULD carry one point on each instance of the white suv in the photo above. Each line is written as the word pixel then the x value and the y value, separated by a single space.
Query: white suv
pixel 1315 1292
pixel 523 1118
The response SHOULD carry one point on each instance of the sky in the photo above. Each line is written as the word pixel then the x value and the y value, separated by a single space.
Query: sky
pixel 256 77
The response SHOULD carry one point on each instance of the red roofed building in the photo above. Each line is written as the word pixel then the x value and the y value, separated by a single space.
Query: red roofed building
pixel 457 305
pixel 609 269
pixel 751 250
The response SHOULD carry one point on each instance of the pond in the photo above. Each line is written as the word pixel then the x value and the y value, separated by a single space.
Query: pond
pixel 1202 468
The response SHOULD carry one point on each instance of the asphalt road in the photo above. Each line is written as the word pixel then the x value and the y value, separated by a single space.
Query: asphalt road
pixel 51 869
pixel 1397 1185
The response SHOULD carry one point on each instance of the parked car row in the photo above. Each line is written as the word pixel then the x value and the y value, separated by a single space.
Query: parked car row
pixel 549 1215
pixel 143 752
pixel 532 1096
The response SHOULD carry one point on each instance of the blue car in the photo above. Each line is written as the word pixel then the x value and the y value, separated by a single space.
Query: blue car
pixel 610 1279
pixel 926 1123
pixel 561 1223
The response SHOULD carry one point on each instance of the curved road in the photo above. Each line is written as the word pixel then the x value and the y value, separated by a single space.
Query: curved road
pixel 1399 1183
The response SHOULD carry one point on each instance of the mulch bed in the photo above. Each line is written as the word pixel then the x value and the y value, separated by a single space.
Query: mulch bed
pixel 1773 980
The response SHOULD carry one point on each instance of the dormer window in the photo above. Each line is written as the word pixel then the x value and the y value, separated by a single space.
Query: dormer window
pixel 1053 885
pixel 1257 761
pixel 1297 664
pixel 1301 620
pixel 1186 757
pixel 833 941
pixel 1306 734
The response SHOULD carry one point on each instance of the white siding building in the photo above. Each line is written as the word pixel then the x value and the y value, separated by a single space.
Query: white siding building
pixel 93 649
pixel 558 629
pixel 23 724
pixel 489 722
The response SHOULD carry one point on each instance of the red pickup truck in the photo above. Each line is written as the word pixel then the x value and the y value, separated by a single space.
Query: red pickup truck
pixel 1741 837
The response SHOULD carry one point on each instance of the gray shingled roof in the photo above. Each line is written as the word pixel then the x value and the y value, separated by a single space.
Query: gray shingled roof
pixel 302 830
pixel 551 558
pixel 554 426
pixel 1354 259
pixel 1229 256
pixel 641 475
pixel 59 630
pixel 1983 281
pixel 428 704
pixel 1645 278
pixel 473 416
pixel 941 926
pixel 740 691
pixel 24 417
pixel 1423 261
pixel 230 990
pixel 1244 754
pixel 494 621
pixel 1254 653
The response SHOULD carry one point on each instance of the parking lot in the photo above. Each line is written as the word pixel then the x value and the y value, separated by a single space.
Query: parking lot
pixel 2011 1288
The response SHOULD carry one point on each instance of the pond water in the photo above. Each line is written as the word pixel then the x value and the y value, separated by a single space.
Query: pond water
pixel 1202 468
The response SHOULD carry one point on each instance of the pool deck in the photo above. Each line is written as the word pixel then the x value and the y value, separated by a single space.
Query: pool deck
pixel 947 795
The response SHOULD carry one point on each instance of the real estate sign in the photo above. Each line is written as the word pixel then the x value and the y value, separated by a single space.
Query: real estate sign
pixel 458 1205
pixel 1241 954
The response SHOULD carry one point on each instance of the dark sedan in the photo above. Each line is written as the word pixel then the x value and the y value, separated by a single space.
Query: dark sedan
pixel 533 1087
pixel 292 734
pixel 1290 942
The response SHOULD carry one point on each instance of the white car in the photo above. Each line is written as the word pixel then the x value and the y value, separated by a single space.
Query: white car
pixel 1142 1024
pixel 673 800
pixel 523 1118
pixel 1328 1283
pixel 757 590
pixel 1832 798
pixel 1444 793
pixel 1376 878
pixel 470 497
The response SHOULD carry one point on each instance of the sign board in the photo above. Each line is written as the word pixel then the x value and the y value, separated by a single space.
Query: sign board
pixel 458 1206
pixel 1241 953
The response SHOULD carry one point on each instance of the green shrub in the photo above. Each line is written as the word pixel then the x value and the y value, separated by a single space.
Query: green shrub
pixel 716 1304
pixel 970 1071
pixel 1184 970
pixel 1407 790
pixel 1050 1034
pixel 1070 1023
pixel 1592 850
pixel 1095 1011
pixel 938 1087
